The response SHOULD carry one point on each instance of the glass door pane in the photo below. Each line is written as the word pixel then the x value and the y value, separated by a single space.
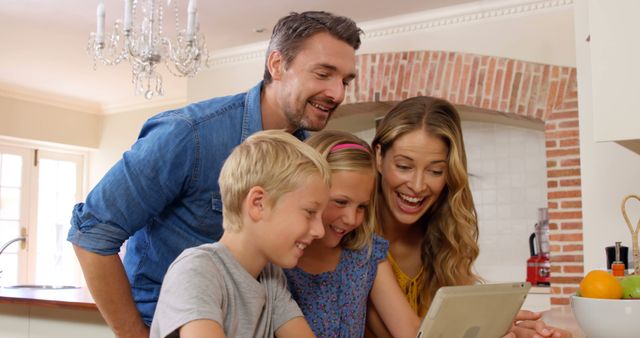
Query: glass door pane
pixel 59 189
pixel 14 189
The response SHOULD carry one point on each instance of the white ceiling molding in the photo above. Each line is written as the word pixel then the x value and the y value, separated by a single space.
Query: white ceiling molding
pixel 239 54
pixel 50 99
pixel 475 12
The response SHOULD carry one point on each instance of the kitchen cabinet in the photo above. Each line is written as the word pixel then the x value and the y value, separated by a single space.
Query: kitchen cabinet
pixel 43 313
pixel 615 70
pixel 14 321
pixel 33 321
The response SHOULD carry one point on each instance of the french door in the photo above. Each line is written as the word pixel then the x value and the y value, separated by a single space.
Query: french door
pixel 38 188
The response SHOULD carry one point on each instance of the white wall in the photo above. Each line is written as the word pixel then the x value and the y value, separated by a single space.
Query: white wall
pixel 225 79
pixel 609 171
pixel 43 122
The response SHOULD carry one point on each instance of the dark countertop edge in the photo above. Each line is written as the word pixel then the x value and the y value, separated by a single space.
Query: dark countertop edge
pixel 49 303
pixel 77 298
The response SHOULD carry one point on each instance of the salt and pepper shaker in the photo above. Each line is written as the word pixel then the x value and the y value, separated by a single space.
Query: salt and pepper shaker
pixel 617 267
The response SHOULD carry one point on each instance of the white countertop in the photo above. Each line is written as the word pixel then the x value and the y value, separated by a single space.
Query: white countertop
pixel 562 317
pixel 540 289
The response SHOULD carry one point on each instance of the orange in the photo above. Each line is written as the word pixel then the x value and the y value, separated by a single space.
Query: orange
pixel 600 284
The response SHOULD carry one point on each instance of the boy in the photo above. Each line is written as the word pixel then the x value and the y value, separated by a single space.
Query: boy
pixel 274 189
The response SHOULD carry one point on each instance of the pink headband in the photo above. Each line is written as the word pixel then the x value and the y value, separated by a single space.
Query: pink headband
pixel 349 146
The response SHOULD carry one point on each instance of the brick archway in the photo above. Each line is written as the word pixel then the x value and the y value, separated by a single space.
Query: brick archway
pixel 517 88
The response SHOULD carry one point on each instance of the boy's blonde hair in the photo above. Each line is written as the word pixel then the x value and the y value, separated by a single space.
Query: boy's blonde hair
pixel 273 160
pixel 355 156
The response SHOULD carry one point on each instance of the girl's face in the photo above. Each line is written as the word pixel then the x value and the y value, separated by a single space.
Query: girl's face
pixel 349 199
pixel 414 173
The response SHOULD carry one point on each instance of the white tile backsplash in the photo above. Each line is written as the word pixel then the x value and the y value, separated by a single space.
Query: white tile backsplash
pixel 509 186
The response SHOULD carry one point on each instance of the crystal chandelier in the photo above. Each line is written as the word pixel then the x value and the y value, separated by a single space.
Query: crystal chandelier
pixel 141 42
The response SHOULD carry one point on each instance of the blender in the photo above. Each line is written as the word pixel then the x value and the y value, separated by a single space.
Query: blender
pixel 539 265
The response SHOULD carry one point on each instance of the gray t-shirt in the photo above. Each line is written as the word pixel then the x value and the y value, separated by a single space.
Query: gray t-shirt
pixel 207 282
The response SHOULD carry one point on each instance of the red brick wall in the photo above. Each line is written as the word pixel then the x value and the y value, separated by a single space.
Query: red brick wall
pixel 517 88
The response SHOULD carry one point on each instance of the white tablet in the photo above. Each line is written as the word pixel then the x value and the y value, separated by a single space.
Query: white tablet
pixel 473 311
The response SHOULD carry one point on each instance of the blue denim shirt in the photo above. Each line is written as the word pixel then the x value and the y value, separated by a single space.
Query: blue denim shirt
pixel 163 195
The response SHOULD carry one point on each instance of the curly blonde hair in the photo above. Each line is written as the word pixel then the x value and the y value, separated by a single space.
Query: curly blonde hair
pixel 449 245
pixel 350 158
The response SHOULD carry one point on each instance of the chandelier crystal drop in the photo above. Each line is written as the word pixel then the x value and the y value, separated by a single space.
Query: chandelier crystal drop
pixel 140 41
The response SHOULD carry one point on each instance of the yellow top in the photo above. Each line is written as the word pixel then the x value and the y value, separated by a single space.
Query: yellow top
pixel 409 286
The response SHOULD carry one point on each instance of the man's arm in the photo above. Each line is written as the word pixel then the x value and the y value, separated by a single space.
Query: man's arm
pixel 111 291
pixel 136 189
pixel 296 327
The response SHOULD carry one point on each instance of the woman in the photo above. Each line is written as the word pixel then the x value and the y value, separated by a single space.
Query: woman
pixel 424 206
pixel 339 273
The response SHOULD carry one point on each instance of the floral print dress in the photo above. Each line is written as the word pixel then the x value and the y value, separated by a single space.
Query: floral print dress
pixel 335 302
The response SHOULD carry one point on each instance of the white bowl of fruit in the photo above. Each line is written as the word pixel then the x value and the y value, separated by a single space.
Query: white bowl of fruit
pixel 608 307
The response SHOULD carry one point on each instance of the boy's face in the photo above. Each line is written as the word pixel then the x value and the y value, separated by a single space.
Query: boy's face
pixel 293 222
pixel 313 85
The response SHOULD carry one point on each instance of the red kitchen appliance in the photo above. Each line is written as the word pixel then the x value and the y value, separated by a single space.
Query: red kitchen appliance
pixel 538 265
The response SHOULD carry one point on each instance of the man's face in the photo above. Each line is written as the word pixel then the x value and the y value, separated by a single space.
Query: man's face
pixel 313 84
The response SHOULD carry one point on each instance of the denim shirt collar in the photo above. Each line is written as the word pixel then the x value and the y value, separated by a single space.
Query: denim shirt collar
pixel 252 115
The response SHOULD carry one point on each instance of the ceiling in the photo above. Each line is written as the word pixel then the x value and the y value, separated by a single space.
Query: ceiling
pixel 45 41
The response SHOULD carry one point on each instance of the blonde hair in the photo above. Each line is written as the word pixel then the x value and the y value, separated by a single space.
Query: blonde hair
pixel 350 158
pixel 449 244
pixel 273 160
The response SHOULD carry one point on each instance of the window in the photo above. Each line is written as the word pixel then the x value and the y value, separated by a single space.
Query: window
pixel 38 189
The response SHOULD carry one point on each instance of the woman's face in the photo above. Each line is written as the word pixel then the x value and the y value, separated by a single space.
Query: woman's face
pixel 414 173
pixel 349 199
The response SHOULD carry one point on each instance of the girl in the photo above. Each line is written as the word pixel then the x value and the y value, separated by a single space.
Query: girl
pixel 338 273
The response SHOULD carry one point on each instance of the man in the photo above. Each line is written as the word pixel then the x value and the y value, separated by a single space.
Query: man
pixel 163 195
